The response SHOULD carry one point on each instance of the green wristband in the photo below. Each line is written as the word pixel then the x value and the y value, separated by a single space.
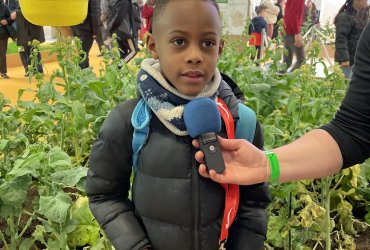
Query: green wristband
pixel 274 166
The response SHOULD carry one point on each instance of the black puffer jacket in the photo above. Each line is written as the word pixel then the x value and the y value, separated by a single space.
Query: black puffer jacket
pixel 173 206
pixel 347 34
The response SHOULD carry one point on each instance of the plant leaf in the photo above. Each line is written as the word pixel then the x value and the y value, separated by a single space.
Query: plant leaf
pixel 69 177
pixel 56 207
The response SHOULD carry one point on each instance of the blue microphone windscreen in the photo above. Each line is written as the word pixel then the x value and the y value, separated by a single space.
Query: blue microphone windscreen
pixel 201 115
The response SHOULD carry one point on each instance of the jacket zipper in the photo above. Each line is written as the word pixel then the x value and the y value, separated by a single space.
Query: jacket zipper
pixel 195 206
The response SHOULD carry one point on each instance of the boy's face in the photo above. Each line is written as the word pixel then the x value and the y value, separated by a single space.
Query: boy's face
pixel 263 13
pixel 187 41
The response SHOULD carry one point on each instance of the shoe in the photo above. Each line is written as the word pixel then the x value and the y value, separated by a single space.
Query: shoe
pixel 281 73
pixel 4 75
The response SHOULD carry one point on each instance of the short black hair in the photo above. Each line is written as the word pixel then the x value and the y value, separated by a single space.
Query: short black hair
pixel 160 6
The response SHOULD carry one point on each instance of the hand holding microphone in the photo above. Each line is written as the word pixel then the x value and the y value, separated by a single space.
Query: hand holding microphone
pixel 203 121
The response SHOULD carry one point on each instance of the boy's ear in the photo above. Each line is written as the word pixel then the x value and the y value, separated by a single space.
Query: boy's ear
pixel 221 48
pixel 151 45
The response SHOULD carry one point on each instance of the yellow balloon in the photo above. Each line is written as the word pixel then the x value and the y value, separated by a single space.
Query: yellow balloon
pixel 54 12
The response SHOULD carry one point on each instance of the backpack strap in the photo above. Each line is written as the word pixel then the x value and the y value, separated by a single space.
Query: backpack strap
pixel 140 119
pixel 246 125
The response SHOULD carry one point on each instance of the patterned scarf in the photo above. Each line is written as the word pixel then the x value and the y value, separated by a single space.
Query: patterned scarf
pixel 165 101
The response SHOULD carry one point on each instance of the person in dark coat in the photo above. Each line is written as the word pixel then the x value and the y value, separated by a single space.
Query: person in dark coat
pixel 26 32
pixel 281 5
pixel 136 21
pixel 4 37
pixel 88 30
pixel 100 36
pixel 349 24
pixel 118 17
pixel 172 206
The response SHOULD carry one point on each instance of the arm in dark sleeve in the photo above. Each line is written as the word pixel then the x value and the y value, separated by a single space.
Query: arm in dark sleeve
pixel 5 14
pixel 250 28
pixel 351 126
pixel 95 16
pixel 118 12
pixel 108 181
pixel 342 30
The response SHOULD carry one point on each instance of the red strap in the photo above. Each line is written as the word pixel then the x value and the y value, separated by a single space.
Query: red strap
pixel 231 190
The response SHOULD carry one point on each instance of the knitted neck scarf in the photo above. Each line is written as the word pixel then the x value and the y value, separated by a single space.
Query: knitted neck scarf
pixel 165 101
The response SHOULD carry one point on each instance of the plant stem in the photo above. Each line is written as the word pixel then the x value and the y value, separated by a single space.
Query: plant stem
pixel 4 241
pixel 26 226
pixel 77 149
pixel 13 233
pixel 62 132
pixel 290 215
pixel 326 204
pixel 33 215
pixel 338 182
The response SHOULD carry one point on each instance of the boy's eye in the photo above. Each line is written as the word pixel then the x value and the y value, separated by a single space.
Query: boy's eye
pixel 178 42
pixel 209 44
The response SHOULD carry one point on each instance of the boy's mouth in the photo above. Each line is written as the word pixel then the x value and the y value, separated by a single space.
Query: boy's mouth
pixel 193 74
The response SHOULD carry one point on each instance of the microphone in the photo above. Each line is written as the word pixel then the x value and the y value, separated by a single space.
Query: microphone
pixel 203 121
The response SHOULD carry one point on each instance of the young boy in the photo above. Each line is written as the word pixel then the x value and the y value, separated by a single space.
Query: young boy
pixel 172 206
pixel 255 29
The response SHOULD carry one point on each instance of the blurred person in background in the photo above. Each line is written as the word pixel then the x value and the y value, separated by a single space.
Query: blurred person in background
pixel 311 14
pixel 146 14
pixel 88 30
pixel 5 20
pixel 136 15
pixel 26 33
pixel 349 24
pixel 293 40
pixel 118 17
pixel 281 5
pixel 255 28
pixel 272 12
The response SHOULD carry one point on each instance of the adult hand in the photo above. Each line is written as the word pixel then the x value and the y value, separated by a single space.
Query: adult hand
pixel 298 40
pixel 4 22
pixel 345 64
pixel 13 15
pixel 245 164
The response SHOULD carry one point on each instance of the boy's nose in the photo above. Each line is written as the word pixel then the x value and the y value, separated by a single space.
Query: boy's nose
pixel 194 55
